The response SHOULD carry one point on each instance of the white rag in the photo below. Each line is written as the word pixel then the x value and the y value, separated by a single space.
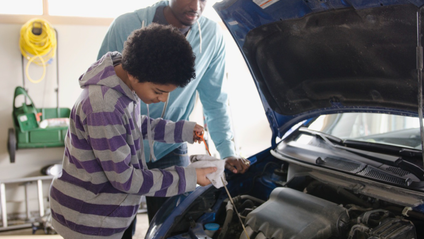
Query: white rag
pixel 205 161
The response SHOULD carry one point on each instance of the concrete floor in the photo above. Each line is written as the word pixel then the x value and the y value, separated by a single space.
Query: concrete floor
pixel 140 232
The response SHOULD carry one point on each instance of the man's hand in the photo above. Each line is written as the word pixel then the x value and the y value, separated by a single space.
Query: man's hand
pixel 201 173
pixel 237 165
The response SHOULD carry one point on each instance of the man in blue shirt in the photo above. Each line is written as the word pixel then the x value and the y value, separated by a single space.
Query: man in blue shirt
pixel 208 45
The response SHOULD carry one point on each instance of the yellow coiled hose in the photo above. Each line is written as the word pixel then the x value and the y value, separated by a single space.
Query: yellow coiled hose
pixel 40 48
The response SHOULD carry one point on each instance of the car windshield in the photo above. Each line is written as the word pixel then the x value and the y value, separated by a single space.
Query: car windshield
pixel 387 129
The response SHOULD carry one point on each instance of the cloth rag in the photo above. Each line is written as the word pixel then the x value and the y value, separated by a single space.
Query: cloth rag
pixel 217 178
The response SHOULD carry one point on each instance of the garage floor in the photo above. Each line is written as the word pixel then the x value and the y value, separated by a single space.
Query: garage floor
pixel 142 226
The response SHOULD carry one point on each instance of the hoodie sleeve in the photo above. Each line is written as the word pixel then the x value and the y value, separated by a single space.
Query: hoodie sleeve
pixel 214 100
pixel 116 155
pixel 166 131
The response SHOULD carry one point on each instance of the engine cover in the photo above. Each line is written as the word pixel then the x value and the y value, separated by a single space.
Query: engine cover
pixel 292 214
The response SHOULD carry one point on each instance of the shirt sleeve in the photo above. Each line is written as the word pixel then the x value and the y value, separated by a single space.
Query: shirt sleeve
pixel 166 131
pixel 214 100
pixel 108 137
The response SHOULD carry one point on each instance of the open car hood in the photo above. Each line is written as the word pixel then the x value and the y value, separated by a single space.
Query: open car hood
pixel 315 57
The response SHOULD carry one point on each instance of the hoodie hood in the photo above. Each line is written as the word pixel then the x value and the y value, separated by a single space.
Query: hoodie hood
pixel 102 73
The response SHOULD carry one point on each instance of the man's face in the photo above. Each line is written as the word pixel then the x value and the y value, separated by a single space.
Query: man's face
pixel 187 11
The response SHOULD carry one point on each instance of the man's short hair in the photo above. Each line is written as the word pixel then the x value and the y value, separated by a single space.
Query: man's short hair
pixel 159 54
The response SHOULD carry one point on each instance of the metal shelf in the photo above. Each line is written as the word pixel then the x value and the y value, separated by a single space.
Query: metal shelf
pixel 25 182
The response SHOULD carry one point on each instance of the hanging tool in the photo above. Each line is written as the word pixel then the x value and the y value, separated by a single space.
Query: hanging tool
pixel 37 43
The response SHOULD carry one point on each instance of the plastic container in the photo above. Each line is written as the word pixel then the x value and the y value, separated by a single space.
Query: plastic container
pixel 54 122
pixel 211 228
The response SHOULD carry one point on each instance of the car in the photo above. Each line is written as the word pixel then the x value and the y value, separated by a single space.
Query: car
pixel 341 85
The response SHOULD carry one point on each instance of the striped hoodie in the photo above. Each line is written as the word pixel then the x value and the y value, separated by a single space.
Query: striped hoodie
pixel 104 171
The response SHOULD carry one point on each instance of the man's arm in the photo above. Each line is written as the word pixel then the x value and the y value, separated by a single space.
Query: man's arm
pixel 214 100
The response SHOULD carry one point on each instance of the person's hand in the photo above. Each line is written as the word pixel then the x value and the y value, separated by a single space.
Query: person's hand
pixel 201 173
pixel 237 164
pixel 198 130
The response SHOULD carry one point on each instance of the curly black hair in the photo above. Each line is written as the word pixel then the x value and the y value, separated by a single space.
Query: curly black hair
pixel 159 54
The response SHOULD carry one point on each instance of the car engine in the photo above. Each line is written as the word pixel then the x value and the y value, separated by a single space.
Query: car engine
pixel 289 213
pixel 278 200
pixel 293 214
pixel 310 206
pixel 299 215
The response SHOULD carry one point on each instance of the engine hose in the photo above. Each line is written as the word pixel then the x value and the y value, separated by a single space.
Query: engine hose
pixel 260 201
pixel 408 213
pixel 247 204
pixel 315 186
pixel 228 218
pixel 357 228
pixel 37 44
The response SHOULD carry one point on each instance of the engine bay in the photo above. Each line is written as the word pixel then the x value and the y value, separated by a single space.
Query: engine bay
pixel 287 201
pixel 293 214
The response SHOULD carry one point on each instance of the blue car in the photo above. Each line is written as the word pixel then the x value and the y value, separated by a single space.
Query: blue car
pixel 341 84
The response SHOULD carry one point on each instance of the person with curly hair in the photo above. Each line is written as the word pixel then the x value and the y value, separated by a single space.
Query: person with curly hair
pixel 104 171
pixel 207 41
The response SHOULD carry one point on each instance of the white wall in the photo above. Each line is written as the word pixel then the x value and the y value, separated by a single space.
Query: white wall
pixel 78 46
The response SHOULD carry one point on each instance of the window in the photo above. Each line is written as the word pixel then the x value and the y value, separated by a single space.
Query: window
pixel 21 7
pixel 95 8
pixel 93 12
pixel 76 8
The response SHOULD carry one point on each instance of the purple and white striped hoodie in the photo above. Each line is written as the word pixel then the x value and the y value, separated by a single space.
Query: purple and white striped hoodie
pixel 104 172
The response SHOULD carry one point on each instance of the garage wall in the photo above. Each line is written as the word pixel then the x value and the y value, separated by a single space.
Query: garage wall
pixel 77 49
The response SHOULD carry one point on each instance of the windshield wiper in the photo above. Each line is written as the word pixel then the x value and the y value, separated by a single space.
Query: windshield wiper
pixel 383 158
pixel 330 139
pixel 384 148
